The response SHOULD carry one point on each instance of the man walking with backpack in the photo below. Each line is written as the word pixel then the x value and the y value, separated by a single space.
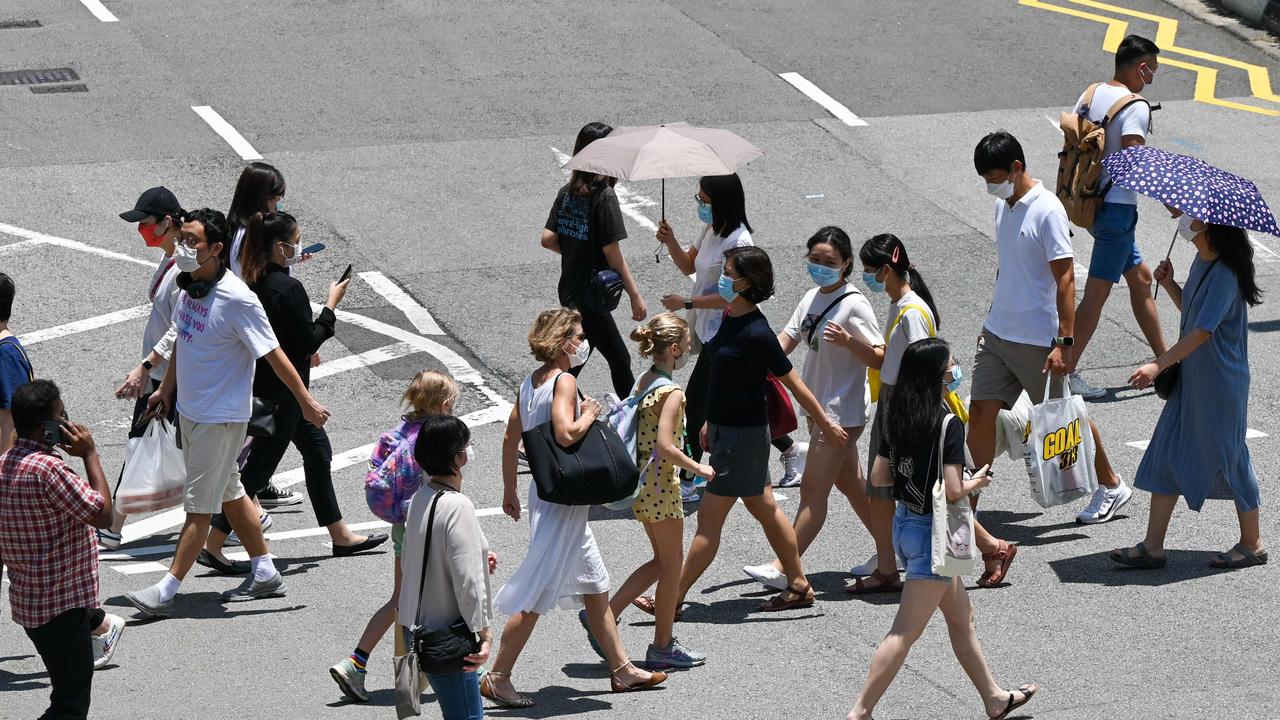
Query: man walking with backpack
pixel 1124 118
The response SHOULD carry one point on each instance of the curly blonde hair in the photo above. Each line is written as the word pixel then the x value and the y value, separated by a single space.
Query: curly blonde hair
pixel 431 392
pixel 662 332
pixel 550 331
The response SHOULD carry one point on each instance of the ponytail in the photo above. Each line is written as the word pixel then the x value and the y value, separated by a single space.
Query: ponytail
pixel 261 235
pixel 886 250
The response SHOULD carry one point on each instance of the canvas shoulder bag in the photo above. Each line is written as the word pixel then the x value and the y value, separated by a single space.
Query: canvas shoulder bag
pixel 952 544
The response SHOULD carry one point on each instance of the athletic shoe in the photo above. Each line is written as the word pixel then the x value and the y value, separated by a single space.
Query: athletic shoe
pixel 582 618
pixel 766 575
pixel 148 602
pixel 674 655
pixel 1084 389
pixel 350 680
pixel 793 465
pixel 254 589
pixel 108 540
pixel 104 646
pixel 521 459
pixel 264 519
pixel 1104 505
pixel 867 567
pixel 689 493
pixel 274 497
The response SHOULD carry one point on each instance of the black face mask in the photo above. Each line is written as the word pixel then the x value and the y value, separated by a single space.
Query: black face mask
pixel 198 289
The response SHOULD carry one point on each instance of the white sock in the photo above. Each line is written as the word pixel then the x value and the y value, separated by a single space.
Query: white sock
pixel 168 587
pixel 263 568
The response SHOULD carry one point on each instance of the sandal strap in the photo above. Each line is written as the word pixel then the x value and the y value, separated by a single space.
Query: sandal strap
pixel 1246 553
pixel 618 669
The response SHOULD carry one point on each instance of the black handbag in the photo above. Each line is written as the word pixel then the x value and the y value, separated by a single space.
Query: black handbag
pixel 1167 380
pixel 440 651
pixel 604 291
pixel 262 418
pixel 595 470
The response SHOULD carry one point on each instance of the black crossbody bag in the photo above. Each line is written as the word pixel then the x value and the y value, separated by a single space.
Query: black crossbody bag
pixel 1166 381
pixel 440 651
pixel 824 315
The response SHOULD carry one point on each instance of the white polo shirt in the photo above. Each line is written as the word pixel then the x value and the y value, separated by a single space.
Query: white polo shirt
pixel 1029 235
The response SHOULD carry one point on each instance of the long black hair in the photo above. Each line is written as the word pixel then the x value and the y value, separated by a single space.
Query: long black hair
pixel 728 203
pixel 258 183
pixel 582 182
pixel 260 238
pixel 916 408
pixel 886 250
pixel 836 238
pixel 1236 252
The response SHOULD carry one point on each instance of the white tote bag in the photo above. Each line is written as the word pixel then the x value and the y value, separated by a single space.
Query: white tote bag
pixel 1059 449
pixel 155 474
pixel 953 548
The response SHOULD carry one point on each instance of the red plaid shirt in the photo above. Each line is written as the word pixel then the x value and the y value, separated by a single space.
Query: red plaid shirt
pixel 45 539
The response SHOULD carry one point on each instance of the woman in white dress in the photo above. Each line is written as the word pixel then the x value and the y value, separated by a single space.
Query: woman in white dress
pixel 563 567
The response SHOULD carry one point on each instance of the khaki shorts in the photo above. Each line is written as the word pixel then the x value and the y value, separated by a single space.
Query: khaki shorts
pixel 1003 369
pixel 210 450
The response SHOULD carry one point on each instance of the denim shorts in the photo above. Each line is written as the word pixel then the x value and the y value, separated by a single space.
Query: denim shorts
pixel 1115 246
pixel 913 542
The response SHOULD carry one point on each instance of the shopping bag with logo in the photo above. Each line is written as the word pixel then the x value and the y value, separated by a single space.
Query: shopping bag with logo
pixel 155 473
pixel 953 549
pixel 1059 449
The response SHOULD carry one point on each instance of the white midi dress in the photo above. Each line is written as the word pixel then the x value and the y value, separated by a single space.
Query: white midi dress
pixel 563 562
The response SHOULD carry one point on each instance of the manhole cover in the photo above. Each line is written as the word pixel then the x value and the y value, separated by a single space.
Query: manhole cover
pixel 48 89
pixel 36 77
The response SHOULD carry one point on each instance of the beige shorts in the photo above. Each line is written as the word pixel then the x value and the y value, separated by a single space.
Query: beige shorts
pixel 1003 369
pixel 210 450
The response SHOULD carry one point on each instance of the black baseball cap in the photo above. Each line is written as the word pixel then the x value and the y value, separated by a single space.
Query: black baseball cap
pixel 157 201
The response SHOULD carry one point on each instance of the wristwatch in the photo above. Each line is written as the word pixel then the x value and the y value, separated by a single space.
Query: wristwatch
pixel 688 303
pixel 147 364
pixel 1067 341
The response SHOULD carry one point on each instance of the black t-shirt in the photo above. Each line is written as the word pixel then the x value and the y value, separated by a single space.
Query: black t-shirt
pixel 288 309
pixel 743 352
pixel 914 474
pixel 585 224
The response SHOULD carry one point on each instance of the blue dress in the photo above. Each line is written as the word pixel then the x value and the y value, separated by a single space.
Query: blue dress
pixel 1198 449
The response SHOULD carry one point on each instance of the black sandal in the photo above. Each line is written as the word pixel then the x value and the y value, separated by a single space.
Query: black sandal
pixel 1142 561
pixel 1028 692
pixel 1248 558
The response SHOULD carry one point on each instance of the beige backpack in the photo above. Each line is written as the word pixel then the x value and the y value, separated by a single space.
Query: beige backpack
pixel 1080 162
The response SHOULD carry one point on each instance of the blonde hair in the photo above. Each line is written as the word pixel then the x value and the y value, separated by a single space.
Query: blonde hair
pixel 662 332
pixel 550 331
pixel 431 392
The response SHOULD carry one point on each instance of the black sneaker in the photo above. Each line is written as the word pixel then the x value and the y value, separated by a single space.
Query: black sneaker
pixel 274 497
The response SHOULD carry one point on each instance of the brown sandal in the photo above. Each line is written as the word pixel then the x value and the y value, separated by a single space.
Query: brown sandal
pixel 486 689
pixel 804 599
pixel 885 584
pixel 1005 555
pixel 648 606
pixel 656 677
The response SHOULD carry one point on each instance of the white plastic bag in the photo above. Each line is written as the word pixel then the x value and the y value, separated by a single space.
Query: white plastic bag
pixel 155 473
pixel 1059 449
pixel 952 548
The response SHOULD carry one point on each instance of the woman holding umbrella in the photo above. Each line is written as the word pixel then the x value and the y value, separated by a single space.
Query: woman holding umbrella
pixel 1194 452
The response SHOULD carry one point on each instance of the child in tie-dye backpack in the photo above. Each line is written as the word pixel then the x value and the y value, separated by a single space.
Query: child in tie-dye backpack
pixel 393 478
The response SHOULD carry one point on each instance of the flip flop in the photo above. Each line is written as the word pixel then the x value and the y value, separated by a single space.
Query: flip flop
pixel 993 578
pixel 1028 692
pixel 804 599
pixel 1143 560
pixel 886 584
pixel 1248 558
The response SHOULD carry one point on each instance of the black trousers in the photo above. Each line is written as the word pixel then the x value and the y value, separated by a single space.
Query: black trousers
pixel 317 454
pixel 695 408
pixel 65 647
pixel 602 333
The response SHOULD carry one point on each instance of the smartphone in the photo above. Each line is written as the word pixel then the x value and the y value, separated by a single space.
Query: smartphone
pixel 346 275
pixel 53 434
pixel 313 249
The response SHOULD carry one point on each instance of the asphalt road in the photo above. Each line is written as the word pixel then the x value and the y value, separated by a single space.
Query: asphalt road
pixel 420 140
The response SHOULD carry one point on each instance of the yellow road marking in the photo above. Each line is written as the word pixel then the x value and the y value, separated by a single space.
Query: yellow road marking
pixel 1206 77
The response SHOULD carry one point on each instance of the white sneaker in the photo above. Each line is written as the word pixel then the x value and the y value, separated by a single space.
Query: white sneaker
pixel 867 567
pixel 104 646
pixel 793 465
pixel 689 493
pixel 1084 389
pixel 108 540
pixel 766 575
pixel 1104 505
pixel 264 519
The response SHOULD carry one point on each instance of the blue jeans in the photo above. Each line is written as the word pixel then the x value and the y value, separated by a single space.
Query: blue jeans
pixel 1115 247
pixel 458 695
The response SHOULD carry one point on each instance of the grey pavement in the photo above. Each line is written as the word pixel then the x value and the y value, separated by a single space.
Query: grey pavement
pixel 419 140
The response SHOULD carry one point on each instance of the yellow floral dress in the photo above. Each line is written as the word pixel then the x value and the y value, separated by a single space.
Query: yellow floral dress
pixel 659 497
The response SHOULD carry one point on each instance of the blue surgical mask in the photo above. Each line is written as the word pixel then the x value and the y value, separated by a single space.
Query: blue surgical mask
pixel 874 285
pixel 822 275
pixel 957 377
pixel 704 213
pixel 725 286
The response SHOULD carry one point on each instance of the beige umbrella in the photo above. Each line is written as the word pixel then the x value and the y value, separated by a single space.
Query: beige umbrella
pixel 672 150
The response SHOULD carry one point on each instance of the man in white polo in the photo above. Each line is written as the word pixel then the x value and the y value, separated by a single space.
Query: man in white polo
pixel 222 331
pixel 1028 331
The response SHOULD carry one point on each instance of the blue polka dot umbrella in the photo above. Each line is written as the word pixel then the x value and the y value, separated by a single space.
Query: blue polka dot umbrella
pixel 1193 186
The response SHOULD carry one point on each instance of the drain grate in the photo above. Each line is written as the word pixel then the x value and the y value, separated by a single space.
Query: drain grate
pixel 37 77
pixel 47 89
pixel 18 24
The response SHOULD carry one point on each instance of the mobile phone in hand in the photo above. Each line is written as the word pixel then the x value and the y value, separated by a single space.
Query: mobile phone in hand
pixel 346 275
pixel 313 249
pixel 53 435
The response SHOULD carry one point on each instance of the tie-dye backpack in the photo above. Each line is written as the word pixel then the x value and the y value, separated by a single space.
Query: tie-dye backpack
pixel 394 475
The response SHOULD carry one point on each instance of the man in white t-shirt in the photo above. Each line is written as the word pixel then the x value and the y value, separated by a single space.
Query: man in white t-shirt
pixel 222 331
pixel 1115 249
pixel 1028 331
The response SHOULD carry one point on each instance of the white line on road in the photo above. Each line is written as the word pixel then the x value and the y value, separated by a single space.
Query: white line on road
pixel 141 567
pixel 815 93
pixel 402 301
pixel 228 133
pixel 1056 125
pixel 99 10
pixel 1250 434
pixel 70 244
pixel 364 359
pixel 85 325
pixel 1267 254
pixel 629 201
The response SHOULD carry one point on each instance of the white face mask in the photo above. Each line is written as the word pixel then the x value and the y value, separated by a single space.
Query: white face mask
pixel 1002 190
pixel 1184 228
pixel 471 455
pixel 579 357
pixel 291 260
pixel 186 258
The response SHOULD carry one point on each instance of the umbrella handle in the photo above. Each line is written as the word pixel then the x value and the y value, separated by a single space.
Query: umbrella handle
pixel 1167 255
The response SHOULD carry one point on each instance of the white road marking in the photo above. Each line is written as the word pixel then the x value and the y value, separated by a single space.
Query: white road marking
pixel 1056 125
pixel 85 325
pixel 1140 444
pixel 20 245
pixel 99 10
pixel 1249 434
pixel 228 133
pixel 815 93
pixel 629 201
pixel 71 244
pixel 402 301
pixel 364 359
pixel 1265 253
pixel 142 567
